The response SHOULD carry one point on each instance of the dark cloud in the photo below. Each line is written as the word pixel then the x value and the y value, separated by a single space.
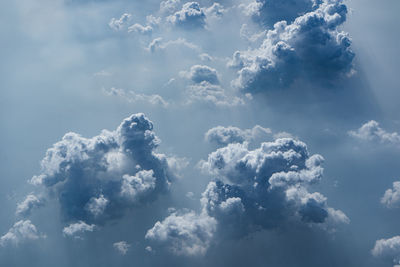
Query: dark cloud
pixel 98 178
pixel 311 47
pixel 191 16
pixel 265 188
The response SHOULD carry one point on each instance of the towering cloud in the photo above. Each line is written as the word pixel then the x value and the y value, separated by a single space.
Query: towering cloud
pixel 259 189
pixel 310 47
pixel 96 179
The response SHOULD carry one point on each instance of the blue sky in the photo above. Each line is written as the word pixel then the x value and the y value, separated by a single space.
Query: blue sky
pixel 174 133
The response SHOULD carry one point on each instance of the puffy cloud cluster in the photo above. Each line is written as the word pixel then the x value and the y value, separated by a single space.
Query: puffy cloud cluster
pixel 74 229
pixel 223 136
pixel 99 178
pixel 205 87
pixel 30 202
pixel 186 233
pixel 258 189
pixel 119 24
pixel 191 16
pixel 391 198
pixel 21 231
pixel 371 131
pixel 122 247
pixel 388 248
pixel 311 47
pixel 271 11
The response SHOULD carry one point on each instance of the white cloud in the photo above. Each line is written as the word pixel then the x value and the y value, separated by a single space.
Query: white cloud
pixel 21 231
pixel 75 229
pixel 371 131
pixel 122 247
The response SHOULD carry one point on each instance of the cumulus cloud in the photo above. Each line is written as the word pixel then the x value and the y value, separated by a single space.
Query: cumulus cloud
pixel 265 188
pixel 205 87
pixel 169 6
pixel 21 231
pixel 186 234
pixel 391 198
pixel 74 229
pixel 119 24
pixel 371 131
pixel 223 136
pixel 191 16
pixel 25 207
pixel 201 73
pixel 99 178
pixel 311 47
pixel 132 96
pixel 122 247
pixel 388 248
pixel 139 28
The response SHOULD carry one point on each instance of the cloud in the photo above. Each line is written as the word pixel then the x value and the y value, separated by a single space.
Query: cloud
pixel 388 248
pixel 122 247
pixel 21 231
pixel 139 28
pixel 191 16
pixel 391 198
pixel 185 234
pixel 74 229
pixel 200 73
pixel 133 97
pixel 261 189
pixel 215 10
pixel 223 136
pixel 119 24
pixel 371 131
pixel 99 178
pixel 169 6
pixel 25 207
pixel 311 47
pixel 158 44
pixel 270 11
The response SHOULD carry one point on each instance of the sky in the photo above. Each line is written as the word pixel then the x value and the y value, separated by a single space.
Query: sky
pixel 174 133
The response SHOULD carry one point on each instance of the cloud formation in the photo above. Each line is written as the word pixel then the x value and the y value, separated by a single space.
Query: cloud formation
pixel 223 136
pixel 74 229
pixel 99 178
pixel 191 16
pixel 391 198
pixel 388 248
pixel 25 207
pixel 119 24
pixel 21 231
pixel 122 247
pixel 371 131
pixel 310 47
pixel 261 189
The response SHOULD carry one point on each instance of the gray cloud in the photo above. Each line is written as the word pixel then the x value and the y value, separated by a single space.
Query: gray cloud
pixel 223 136
pixel 201 73
pixel 191 16
pixel 371 131
pixel 122 247
pixel 265 188
pixel 96 179
pixel 388 248
pixel 75 229
pixel 25 207
pixel 391 198
pixel 311 47
pixel 21 231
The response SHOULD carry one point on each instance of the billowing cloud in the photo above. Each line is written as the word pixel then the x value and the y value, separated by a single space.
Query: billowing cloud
pixel 119 24
pixel 21 231
pixel 371 131
pixel 391 198
pixel 201 73
pixel 311 47
pixel 30 202
pixel 186 233
pixel 139 28
pixel 191 16
pixel 388 248
pixel 75 229
pixel 261 189
pixel 122 247
pixel 223 136
pixel 95 179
